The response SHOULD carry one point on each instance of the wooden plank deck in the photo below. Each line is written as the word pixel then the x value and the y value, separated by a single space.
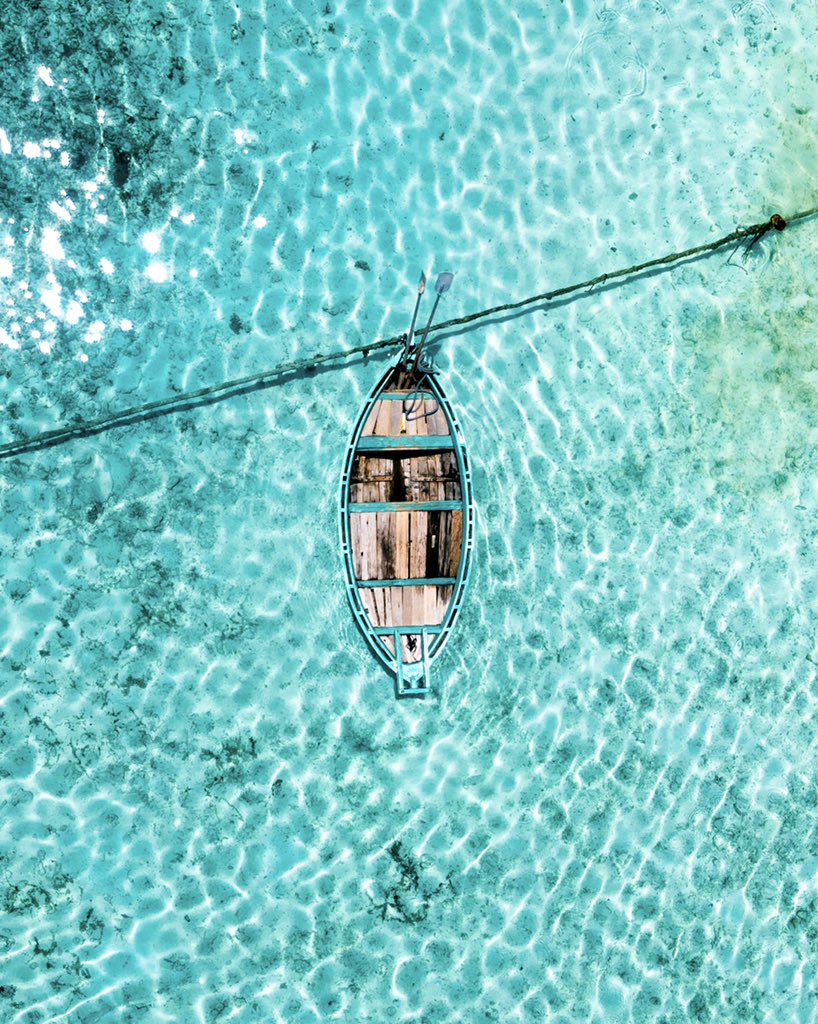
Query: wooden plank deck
pixel 395 467
pixel 406 545
pixel 421 417
pixel 405 606
pixel 405 477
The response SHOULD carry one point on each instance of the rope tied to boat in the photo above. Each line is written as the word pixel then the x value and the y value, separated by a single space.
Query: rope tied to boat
pixel 289 370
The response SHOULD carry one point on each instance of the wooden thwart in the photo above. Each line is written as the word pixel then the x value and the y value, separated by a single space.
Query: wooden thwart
pixel 405 442
pixel 441 581
pixel 405 506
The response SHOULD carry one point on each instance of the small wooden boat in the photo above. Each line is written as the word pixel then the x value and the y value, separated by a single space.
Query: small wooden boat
pixel 407 516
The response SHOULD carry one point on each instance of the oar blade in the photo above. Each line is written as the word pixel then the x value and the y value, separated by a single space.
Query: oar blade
pixel 444 282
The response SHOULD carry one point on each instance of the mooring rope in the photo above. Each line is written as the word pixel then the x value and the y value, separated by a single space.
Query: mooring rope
pixel 267 378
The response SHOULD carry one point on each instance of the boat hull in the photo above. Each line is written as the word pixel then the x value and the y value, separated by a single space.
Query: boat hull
pixel 407 524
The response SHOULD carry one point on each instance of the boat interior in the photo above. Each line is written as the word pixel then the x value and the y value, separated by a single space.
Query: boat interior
pixel 406 518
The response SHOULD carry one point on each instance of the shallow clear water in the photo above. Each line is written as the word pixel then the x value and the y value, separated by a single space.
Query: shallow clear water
pixel 214 809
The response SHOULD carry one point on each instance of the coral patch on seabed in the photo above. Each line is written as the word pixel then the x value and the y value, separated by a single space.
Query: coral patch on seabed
pixel 407 899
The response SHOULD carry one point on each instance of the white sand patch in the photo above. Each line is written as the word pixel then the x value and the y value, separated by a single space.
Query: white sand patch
pixel 94 333
pixel 51 245
pixel 7 340
pixel 59 211
pixel 151 242
pixel 157 272
pixel 50 298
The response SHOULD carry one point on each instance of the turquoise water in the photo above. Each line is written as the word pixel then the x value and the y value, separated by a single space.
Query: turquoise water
pixel 213 807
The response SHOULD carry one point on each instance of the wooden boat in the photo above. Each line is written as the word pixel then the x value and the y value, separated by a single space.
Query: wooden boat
pixel 407 517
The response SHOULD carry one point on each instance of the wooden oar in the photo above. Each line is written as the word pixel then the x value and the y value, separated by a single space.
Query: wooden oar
pixel 442 285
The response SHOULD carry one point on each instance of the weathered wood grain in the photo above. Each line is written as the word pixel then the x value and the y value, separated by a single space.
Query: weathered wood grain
pixel 399 477
pixel 405 544
pixel 406 606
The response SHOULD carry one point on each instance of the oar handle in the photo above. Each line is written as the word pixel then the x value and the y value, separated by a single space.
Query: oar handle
pixel 410 336
pixel 423 339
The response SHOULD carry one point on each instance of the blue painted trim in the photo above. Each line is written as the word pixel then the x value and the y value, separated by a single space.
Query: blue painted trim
pixel 405 506
pixel 424 650
pixel 381 442
pixel 401 686
pixel 425 581
pixel 404 630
